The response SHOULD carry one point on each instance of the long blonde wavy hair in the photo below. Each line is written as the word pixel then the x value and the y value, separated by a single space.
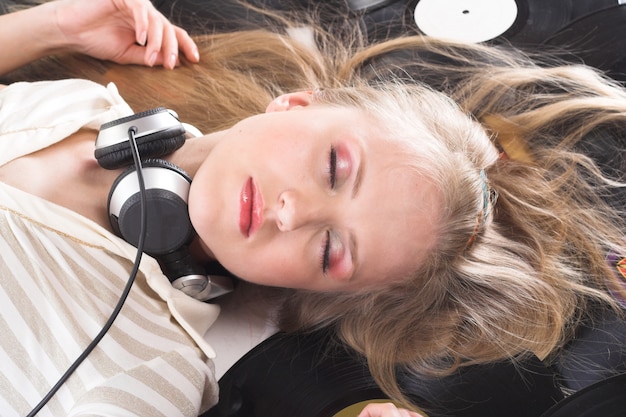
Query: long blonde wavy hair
pixel 539 254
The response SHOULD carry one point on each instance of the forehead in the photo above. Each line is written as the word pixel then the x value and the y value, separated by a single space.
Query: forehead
pixel 399 211
pixel 395 218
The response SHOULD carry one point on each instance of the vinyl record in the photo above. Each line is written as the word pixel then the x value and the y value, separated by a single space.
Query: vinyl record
pixel 603 399
pixel 294 376
pixel 537 20
pixel 311 376
pixel 467 21
pixel 534 22
pixel 597 39
pixel 521 22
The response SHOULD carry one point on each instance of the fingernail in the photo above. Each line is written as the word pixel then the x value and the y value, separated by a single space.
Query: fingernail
pixel 196 55
pixel 143 37
pixel 152 59
pixel 172 61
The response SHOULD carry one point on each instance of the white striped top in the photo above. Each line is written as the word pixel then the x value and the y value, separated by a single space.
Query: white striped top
pixel 61 276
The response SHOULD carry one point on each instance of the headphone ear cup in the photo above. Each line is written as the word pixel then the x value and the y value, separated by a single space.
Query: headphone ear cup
pixel 158 132
pixel 168 226
pixel 120 155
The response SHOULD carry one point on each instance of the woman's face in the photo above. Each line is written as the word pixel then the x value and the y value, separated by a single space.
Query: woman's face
pixel 311 196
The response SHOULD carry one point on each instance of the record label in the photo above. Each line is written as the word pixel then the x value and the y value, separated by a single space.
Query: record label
pixel 469 21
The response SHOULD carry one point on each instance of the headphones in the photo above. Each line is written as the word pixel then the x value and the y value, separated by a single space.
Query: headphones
pixel 169 231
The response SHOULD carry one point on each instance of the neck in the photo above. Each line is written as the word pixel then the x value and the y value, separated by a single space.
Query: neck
pixel 193 153
pixel 189 158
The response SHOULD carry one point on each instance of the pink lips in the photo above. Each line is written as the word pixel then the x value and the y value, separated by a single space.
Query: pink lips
pixel 250 208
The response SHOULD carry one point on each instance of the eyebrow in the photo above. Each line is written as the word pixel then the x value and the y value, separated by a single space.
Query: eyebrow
pixel 358 179
pixel 353 254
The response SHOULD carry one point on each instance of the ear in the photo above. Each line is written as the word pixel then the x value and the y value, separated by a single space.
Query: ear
pixel 289 101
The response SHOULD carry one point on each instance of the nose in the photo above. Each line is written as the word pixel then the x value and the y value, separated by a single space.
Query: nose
pixel 295 210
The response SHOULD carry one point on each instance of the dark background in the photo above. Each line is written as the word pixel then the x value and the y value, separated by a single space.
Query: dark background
pixel 589 31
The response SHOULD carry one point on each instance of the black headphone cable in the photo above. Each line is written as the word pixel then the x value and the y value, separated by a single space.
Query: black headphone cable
pixel 131 279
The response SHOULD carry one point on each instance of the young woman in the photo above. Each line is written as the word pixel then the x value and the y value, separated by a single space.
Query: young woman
pixel 63 269
pixel 430 231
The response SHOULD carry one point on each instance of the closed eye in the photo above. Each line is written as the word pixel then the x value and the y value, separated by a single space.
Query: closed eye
pixel 332 167
pixel 325 254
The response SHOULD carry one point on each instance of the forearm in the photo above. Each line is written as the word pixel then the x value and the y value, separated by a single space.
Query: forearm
pixel 122 31
pixel 28 35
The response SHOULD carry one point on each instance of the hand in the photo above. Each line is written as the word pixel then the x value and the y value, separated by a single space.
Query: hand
pixel 386 410
pixel 123 31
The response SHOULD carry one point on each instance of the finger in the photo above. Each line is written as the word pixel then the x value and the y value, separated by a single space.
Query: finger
pixel 386 410
pixel 155 38
pixel 380 410
pixel 170 46
pixel 187 45
pixel 135 54
pixel 139 10
pixel 141 25
pixel 407 413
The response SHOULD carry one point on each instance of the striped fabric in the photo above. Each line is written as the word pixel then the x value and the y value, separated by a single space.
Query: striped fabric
pixel 35 115
pixel 61 276
pixel 56 292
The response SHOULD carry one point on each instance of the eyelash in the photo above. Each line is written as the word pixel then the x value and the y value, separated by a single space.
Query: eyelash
pixel 325 255
pixel 332 166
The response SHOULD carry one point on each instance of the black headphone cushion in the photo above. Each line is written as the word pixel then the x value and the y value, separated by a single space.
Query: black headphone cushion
pixel 151 146
pixel 168 224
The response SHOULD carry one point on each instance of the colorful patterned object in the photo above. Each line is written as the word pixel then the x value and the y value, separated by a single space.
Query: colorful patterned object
pixel 621 268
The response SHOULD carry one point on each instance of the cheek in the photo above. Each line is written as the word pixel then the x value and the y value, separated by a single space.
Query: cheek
pixel 274 265
pixel 199 217
pixel 209 219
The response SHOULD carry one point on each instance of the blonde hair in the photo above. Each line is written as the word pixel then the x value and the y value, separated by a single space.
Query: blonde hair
pixel 539 255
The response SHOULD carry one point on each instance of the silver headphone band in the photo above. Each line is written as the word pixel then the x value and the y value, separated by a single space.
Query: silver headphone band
pixel 145 126
pixel 154 178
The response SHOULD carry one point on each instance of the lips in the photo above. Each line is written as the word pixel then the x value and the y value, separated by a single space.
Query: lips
pixel 250 208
